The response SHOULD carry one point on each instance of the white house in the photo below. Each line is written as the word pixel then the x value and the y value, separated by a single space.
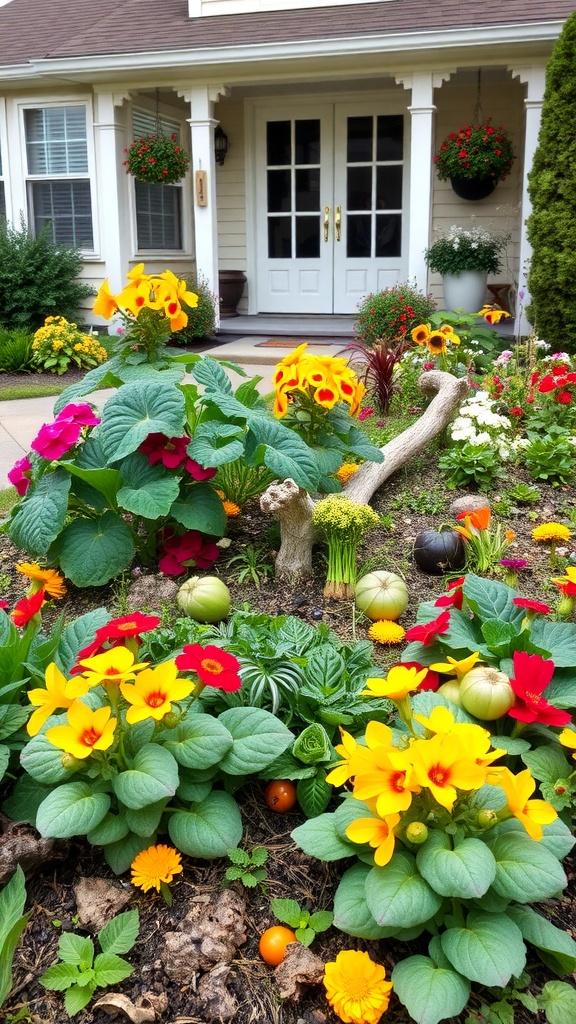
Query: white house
pixel 332 110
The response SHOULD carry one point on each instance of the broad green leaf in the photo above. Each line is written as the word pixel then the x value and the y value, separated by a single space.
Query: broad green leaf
pixel 42 760
pixel 490 599
pixel 283 451
pixel 94 551
pixel 314 794
pixel 210 372
pixel 209 829
pixel 71 810
pixel 59 977
pixel 110 969
pixel 145 820
pixel 12 716
pixel 559 1002
pixel 321 920
pixel 76 635
pixel 12 901
pixel 120 934
pixel 105 481
pixel 558 638
pixel 25 799
pixel 501 637
pixel 547 764
pixel 463 634
pixel 488 950
pixel 42 514
pixel 547 938
pixel 119 855
pixel 466 872
pixel 90 381
pixel 258 739
pixel 153 776
pixel 111 829
pixel 525 870
pixel 200 741
pixel 286 911
pixel 318 838
pixel 4 759
pixel 76 998
pixel 76 949
pixel 200 509
pixel 428 992
pixel 351 913
pixel 146 490
pixel 215 443
pixel 561 691
pixel 136 410
pixel 398 896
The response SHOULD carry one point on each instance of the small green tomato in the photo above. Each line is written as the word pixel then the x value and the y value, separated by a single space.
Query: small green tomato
pixel 451 690
pixel 486 693
pixel 417 832
pixel 381 595
pixel 204 598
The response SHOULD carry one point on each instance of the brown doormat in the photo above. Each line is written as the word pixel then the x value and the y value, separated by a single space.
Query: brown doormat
pixel 294 342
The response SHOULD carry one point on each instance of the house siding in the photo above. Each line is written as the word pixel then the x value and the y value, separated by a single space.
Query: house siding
pixel 231 192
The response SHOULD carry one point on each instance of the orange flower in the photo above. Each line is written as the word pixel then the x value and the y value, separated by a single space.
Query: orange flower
pixel 479 518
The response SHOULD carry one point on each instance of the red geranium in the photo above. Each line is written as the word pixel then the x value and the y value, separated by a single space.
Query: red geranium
pixel 428 632
pixel 455 597
pixel 25 609
pixel 532 674
pixel 212 665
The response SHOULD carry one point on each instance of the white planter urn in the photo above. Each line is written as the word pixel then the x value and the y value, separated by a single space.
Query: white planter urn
pixel 465 291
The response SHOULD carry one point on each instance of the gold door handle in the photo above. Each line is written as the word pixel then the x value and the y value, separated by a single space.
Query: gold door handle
pixel 326 222
pixel 338 222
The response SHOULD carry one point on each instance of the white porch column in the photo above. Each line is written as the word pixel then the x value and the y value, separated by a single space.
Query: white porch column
pixel 113 209
pixel 421 112
pixel 202 124
pixel 535 78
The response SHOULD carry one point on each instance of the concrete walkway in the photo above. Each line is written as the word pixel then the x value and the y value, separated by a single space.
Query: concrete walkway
pixel 21 419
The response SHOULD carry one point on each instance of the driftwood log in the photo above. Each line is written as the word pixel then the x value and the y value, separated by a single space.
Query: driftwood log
pixel 293 507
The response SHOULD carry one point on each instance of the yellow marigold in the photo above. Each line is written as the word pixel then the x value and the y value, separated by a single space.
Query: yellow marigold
pixel 551 531
pixel 231 508
pixel 154 866
pixel 356 987
pixel 347 469
pixel 386 632
pixel 50 580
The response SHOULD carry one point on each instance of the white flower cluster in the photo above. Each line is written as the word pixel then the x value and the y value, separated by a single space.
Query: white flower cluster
pixel 478 424
pixel 475 236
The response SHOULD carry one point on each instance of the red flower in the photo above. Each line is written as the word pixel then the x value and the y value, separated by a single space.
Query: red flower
pixel 27 608
pixel 455 599
pixel 119 630
pixel 547 384
pixel 428 632
pixel 531 606
pixel 563 397
pixel 3 604
pixel 515 411
pixel 532 675
pixel 189 549
pixel 197 472
pixel 212 665
pixel 431 680
pixel 170 451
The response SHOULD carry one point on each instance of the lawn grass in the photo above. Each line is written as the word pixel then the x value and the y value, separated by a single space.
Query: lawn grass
pixel 8 498
pixel 13 391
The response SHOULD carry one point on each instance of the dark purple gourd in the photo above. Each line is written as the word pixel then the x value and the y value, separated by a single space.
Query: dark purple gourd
pixel 437 552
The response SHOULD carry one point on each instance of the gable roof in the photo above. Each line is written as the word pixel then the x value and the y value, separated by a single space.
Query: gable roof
pixel 50 29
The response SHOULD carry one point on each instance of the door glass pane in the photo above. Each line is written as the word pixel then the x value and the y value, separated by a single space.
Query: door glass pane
pixel 279 199
pixel 359 188
pixel 389 188
pixel 278 143
pixel 307 135
pixel 279 238
pixel 307 237
pixel 390 138
pixel 359 148
pixel 388 234
pixel 359 235
pixel 308 189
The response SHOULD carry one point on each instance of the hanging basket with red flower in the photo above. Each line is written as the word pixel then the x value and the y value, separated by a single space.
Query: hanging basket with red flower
pixel 157 159
pixel 475 153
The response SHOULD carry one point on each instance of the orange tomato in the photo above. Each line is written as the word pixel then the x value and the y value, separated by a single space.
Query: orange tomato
pixel 273 942
pixel 280 795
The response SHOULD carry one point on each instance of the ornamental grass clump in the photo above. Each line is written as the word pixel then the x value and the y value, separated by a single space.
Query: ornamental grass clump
pixel 343 523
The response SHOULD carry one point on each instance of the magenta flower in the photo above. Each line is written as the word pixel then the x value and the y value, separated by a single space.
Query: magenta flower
pixel 20 474
pixel 189 549
pixel 365 413
pixel 514 563
pixel 197 472
pixel 81 413
pixel 55 439
pixel 170 451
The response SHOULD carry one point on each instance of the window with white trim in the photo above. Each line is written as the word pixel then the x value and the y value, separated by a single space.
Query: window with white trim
pixel 158 207
pixel 58 185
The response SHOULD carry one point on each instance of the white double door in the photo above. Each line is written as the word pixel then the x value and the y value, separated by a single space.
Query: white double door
pixel 330 189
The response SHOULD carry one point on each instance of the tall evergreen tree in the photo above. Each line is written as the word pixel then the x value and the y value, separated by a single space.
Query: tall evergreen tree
pixel 552 188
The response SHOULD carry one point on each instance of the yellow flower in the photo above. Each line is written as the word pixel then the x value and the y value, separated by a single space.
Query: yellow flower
pixel 454 667
pixel 378 833
pixel 551 531
pixel 113 666
pixel 398 683
pixel 390 782
pixel 87 731
pixel 231 509
pixel 531 813
pixel 421 334
pixel 59 693
pixel 106 304
pixel 353 755
pixel 50 580
pixel 152 691
pixel 347 469
pixel 154 866
pixel 436 343
pixel 386 632
pixel 568 739
pixel 442 764
pixel 356 988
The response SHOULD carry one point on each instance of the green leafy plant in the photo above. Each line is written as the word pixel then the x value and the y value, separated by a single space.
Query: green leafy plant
pixel 250 564
pixel 391 314
pixel 524 494
pixel 79 972
pixel 306 924
pixel 463 249
pixel 157 158
pixel 15 351
pixel 240 482
pixel 12 924
pixel 202 317
pixel 247 868
pixel 343 523
pixel 551 458
pixel 468 464
pixel 38 278
pixel 59 344
pixel 557 1000
pixel 475 151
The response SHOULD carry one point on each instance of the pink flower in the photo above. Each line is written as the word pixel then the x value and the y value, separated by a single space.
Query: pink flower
pixel 20 474
pixel 55 439
pixel 79 413
pixel 197 472
pixel 365 413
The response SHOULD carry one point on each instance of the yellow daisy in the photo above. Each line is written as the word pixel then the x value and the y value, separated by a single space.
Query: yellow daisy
pixel 386 632
pixel 551 531
pixel 50 580
pixel 154 866
pixel 356 987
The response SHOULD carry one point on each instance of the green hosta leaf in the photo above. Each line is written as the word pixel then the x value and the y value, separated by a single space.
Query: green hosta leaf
pixel 466 872
pixel 111 829
pixel 77 635
pixel 547 938
pixel 119 855
pixel 314 794
pixel 25 799
pixel 201 509
pixel 215 443
pixel 258 739
pixel 59 977
pixel 93 551
pixel 110 969
pixel 547 764
pixel 153 776
pixel 42 514
pixel 525 870
pixel 490 599
pixel 283 451
pixel 558 638
pixel 71 810
pixel 136 410
pixel 104 481
pixel 488 950
pixel 147 491
pixel 428 992
pixel 318 838
pixel 351 913
pixel 198 742
pixel 398 896
pixel 559 1002
pixel 76 998
pixel 209 829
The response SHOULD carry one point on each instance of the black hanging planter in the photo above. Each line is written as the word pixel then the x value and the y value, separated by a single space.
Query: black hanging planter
pixel 473 188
